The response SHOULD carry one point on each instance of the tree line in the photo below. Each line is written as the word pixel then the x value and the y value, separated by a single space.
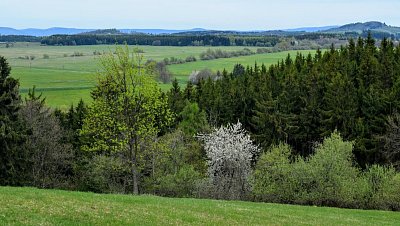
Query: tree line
pixel 160 40
pixel 315 130
pixel 19 38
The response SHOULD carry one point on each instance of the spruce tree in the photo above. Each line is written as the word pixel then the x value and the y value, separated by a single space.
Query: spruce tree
pixel 175 98
pixel 12 158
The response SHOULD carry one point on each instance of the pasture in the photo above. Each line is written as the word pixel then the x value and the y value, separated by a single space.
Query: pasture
pixel 64 78
pixel 31 206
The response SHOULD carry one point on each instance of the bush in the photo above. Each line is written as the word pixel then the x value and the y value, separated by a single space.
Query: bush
pixel 326 178
pixel 175 163
pixel 229 151
pixel 263 50
pixel 23 57
pixel 204 188
pixel 204 74
pixel 77 54
pixel 180 184
pixel 190 59
pixel 382 188
pixel 164 75
pixel 218 53
pixel 46 56
pixel 97 53
pixel 104 174
pixel 333 173
pixel 272 174
pixel 156 43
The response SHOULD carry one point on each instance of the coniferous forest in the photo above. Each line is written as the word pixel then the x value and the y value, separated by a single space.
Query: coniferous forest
pixel 319 129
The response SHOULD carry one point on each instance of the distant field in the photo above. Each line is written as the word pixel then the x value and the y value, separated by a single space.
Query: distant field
pixel 64 79
pixel 228 63
pixel 30 206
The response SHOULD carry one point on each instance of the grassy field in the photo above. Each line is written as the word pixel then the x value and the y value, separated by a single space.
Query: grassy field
pixel 65 79
pixel 30 206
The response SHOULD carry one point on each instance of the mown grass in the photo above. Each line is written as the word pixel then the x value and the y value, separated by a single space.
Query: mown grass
pixel 31 206
pixel 64 80
pixel 228 63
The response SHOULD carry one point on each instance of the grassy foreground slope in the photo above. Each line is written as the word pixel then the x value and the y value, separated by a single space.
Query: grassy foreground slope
pixel 30 206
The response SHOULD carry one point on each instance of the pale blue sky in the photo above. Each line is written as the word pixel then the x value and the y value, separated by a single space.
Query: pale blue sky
pixel 183 14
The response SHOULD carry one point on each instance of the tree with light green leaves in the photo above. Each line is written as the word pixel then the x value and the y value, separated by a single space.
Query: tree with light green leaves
pixel 127 111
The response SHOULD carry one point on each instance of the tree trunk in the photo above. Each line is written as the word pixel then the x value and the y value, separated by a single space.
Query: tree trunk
pixel 135 180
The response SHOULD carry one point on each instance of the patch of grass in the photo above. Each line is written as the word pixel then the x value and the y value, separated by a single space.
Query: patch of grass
pixel 183 70
pixel 31 206
pixel 60 87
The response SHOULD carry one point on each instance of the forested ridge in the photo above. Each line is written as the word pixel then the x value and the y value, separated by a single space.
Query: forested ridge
pixel 302 99
pixel 314 130
pixel 161 40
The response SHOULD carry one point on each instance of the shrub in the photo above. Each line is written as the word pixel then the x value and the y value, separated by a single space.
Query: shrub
pixel 180 184
pixel 271 175
pixel 204 188
pixel 326 178
pixel 218 53
pixel 190 59
pixel 156 43
pixel 229 151
pixel 175 163
pixel 204 74
pixel 333 173
pixel 46 56
pixel 97 53
pixel 104 174
pixel 383 188
pixel 164 75
pixel 77 54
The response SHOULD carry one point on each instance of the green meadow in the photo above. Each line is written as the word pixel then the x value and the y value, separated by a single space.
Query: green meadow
pixel 31 206
pixel 64 79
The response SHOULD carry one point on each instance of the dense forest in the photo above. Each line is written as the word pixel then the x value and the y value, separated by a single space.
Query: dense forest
pixel 19 38
pixel 314 130
pixel 161 40
pixel 301 100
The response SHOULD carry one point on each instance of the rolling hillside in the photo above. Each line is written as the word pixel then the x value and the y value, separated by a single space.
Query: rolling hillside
pixel 31 206
pixel 367 26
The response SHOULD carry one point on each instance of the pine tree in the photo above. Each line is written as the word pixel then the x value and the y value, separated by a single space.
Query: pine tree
pixel 175 99
pixel 189 93
pixel 339 112
pixel 12 158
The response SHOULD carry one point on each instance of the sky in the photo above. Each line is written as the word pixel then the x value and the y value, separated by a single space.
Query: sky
pixel 185 14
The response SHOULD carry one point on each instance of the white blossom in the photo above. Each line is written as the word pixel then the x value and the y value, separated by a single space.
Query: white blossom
pixel 230 151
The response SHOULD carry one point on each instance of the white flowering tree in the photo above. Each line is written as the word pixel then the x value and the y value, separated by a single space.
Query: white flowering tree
pixel 230 151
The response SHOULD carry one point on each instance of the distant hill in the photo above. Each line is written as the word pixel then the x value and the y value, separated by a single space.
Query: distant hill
pixel 160 31
pixel 378 29
pixel 42 32
pixel 359 28
pixel 242 33
pixel 104 32
pixel 74 31
pixel 311 29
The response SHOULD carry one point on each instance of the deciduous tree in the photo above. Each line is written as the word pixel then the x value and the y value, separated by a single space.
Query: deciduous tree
pixel 127 110
pixel 230 152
